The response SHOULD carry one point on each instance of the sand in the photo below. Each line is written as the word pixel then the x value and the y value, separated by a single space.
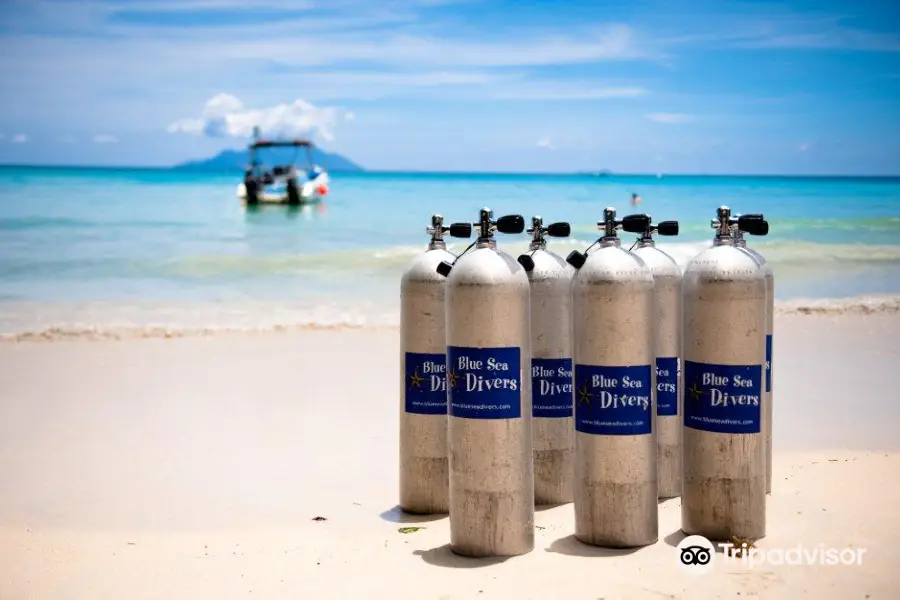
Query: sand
pixel 196 468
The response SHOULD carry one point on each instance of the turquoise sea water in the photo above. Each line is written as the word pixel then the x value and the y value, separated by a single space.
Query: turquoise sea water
pixel 131 248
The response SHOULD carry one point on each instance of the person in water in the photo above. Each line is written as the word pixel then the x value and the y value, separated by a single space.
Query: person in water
pixel 635 199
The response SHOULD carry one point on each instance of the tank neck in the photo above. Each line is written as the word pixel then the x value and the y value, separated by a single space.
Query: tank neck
pixel 486 243
pixel 610 241
pixel 646 243
pixel 723 240
pixel 538 245
pixel 437 245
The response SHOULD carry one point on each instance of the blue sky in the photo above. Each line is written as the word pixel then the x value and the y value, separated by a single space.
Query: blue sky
pixel 632 86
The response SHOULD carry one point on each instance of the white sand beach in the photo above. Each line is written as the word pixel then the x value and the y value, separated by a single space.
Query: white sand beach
pixel 197 468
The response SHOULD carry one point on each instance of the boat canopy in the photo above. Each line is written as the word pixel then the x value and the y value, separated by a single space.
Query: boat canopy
pixel 298 143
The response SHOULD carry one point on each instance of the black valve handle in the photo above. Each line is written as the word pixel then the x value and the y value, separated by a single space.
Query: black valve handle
pixel 460 230
pixel 753 224
pixel 560 229
pixel 667 228
pixel 511 224
pixel 635 223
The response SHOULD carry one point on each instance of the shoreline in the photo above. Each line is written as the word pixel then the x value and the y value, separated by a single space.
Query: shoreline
pixel 869 305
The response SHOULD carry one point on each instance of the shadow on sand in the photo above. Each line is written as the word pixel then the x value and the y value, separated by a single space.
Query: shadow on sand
pixel 442 556
pixel 570 546
pixel 397 515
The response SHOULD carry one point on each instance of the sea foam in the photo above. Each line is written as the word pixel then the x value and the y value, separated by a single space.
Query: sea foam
pixel 214 319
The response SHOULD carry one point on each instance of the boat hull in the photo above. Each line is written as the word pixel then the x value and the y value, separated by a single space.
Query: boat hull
pixel 309 193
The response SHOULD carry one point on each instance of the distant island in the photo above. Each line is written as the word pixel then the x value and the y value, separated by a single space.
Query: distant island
pixel 237 160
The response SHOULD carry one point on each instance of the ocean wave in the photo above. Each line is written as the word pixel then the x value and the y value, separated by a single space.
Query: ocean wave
pixel 38 222
pixel 889 224
pixel 861 305
pixel 76 333
pixel 392 261
pixel 268 320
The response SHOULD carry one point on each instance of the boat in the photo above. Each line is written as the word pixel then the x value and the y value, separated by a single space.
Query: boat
pixel 282 183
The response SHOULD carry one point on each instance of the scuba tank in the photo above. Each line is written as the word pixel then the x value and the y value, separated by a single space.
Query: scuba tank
pixel 768 394
pixel 551 364
pixel 723 328
pixel 489 393
pixel 423 405
pixel 667 281
pixel 614 318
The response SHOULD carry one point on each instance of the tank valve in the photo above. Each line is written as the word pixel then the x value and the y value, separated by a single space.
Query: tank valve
pixel 538 238
pixel 661 228
pixel 438 229
pixel 637 223
pixel 510 224
pixel 725 224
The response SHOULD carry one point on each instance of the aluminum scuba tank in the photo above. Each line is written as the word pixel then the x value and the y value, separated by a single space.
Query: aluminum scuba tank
pixel 423 407
pixel 768 394
pixel 489 396
pixel 724 323
pixel 669 391
pixel 613 316
pixel 551 364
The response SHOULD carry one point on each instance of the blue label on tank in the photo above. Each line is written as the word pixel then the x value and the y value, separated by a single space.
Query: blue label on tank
pixel 551 387
pixel 613 400
pixel 769 363
pixel 484 383
pixel 722 398
pixel 668 370
pixel 426 386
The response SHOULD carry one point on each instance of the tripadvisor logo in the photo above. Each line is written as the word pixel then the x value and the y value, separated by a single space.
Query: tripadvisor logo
pixel 697 555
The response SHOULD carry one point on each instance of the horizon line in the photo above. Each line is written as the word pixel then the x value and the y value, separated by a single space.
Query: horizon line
pixel 600 173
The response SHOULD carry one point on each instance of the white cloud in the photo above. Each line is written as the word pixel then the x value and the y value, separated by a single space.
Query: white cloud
pixel 176 6
pixel 349 49
pixel 546 142
pixel 564 91
pixel 766 25
pixel 669 118
pixel 105 138
pixel 20 138
pixel 612 42
pixel 842 38
pixel 225 116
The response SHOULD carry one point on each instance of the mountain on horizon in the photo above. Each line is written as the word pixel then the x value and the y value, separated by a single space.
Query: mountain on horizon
pixel 237 160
